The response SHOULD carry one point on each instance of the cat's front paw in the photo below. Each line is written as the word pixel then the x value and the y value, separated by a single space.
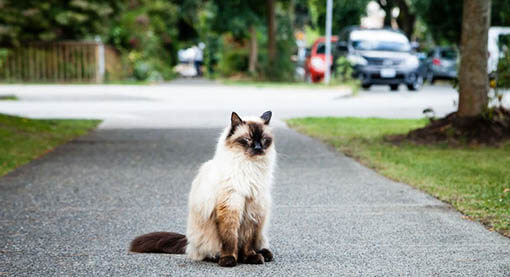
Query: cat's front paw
pixel 268 256
pixel 214 259
pixel 254 259
pixel 227 261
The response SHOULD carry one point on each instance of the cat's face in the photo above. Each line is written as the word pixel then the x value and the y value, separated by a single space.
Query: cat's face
pixel 251 136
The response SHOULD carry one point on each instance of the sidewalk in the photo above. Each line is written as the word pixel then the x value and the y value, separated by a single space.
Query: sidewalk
pixel 74 211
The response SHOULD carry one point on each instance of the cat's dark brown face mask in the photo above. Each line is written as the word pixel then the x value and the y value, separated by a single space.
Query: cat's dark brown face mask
pixel 251 136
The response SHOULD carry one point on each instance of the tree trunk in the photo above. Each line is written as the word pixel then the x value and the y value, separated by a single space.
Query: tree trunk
pixel 387 6
pixel 253 50
pixel 271 31
pixel 473 80
pixel 406 19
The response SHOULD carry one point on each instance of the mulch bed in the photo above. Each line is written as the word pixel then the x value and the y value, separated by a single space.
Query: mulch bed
pixel 490 129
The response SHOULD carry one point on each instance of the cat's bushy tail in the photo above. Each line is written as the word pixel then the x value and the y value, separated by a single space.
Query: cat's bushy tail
pixel 159 242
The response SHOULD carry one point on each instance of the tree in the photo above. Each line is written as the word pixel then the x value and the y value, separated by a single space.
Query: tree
pixel 23 20
pixel 387 6
pixel 500 11
pixel 444 18
pixel 473 80
pixel 240 18
pixel 406 18
pixel 345 13
pixel 271 31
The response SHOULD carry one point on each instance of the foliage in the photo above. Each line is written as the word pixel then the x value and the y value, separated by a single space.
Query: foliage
pixel 4 53
pixel 503 71
pixel 283 67
pixel 444 18
pixel 23 20
pixel 25 139
pixel 500 13
pixel 233 57
pixel 343 74
pixel 235 16
pixel 8 97
pixel 224 26
pixel 473 179
pixel 345 13
pixel 146 35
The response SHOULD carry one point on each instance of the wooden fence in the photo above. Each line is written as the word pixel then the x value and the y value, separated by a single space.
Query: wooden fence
pixel 59 62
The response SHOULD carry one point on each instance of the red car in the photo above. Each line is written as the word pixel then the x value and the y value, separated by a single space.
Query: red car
pixel 316 61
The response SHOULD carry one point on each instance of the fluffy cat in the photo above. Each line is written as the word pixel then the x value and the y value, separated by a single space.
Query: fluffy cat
pixel 229 202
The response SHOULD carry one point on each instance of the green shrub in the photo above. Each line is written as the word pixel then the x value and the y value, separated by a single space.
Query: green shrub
pixel 141 70
pixel 282 70
pixel 233 58
pixel 343 74
pixel 146 36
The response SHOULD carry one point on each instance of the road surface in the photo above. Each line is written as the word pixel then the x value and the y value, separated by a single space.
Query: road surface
pixel 74 211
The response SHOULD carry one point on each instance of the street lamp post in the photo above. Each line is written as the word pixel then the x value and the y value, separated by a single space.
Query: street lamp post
pixel 329 15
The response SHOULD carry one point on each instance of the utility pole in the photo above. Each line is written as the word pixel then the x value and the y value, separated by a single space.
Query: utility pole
pixel 329 15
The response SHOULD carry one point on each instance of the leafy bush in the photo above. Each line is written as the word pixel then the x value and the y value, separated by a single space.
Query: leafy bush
pixel 343 74
pixel 233 57
pixel 283 68
pixel 3 56
pixel 145 36
pixel 343 70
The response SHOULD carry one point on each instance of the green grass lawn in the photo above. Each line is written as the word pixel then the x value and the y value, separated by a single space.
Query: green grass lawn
pixel 22 139
pixel 8 97
pixel 475 180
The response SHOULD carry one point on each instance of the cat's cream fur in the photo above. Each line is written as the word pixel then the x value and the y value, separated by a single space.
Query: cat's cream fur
pixel 229 202
pixel 242 182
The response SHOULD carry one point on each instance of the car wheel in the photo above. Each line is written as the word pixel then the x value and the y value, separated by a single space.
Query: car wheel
pixel 366 86
pixel 417 84
pixel 394 87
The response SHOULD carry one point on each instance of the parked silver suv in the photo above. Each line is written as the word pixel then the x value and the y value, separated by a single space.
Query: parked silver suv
pixel 381 57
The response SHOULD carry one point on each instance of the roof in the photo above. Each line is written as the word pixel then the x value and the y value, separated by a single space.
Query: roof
pixel 379 34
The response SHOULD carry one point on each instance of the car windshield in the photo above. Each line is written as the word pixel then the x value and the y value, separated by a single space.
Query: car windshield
pixel 381 45
pixel 449 54
pixel 321 48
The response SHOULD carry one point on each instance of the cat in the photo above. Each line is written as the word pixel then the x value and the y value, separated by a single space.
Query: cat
pixel 229 202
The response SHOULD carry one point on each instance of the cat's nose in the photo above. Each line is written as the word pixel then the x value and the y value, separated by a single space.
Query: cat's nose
pixel 257 146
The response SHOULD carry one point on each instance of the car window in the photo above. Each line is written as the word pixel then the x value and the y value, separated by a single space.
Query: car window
pixel 381 45
pixel 504 42
pixel 321 48
pixel 448 54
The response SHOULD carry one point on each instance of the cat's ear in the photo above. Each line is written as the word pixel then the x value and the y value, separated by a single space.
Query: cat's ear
pixel 235 119
pixel 266 117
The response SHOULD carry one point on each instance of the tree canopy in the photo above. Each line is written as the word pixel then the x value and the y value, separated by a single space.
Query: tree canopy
pixel 22 20
pixel 345 13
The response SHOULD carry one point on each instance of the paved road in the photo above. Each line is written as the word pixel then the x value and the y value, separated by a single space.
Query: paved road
pixel 74 211
pixel 196 105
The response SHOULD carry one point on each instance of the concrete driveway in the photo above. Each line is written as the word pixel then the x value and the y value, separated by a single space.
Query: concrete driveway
pixel 73 212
